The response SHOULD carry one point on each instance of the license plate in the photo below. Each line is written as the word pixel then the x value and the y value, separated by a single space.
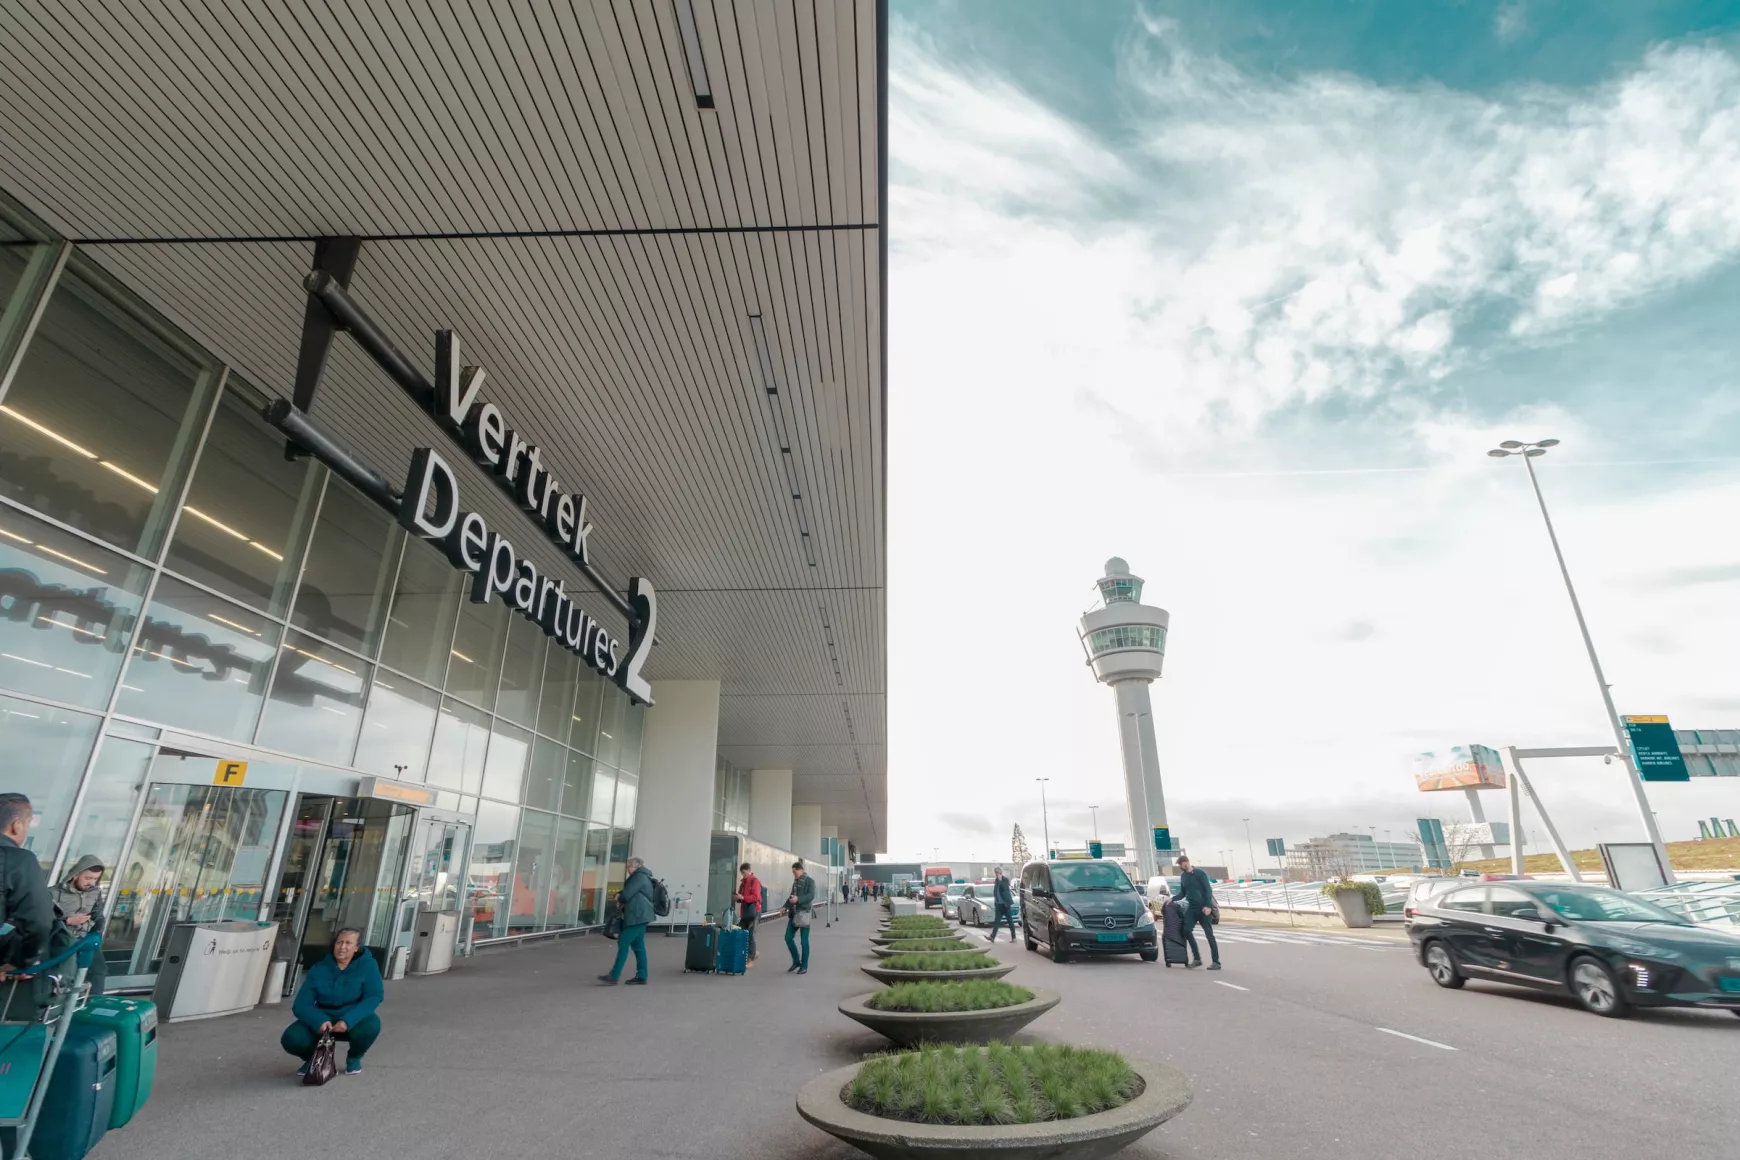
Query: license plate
pixel 1730 983
pixel 1115 936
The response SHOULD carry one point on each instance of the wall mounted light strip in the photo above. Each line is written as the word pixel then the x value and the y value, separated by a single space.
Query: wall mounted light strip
pixel 691 37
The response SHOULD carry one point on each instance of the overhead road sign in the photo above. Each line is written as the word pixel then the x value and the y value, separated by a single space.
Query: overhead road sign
pixel 1656 749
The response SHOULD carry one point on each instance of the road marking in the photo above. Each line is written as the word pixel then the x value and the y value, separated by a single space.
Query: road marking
pixel 1415 1038
pixel 1234 986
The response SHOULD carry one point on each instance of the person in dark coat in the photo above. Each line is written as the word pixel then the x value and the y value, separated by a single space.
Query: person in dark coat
pixel 1198 896
pixel 799 913
pixel 636 903
pixel 26 905
pixel 339 995
pixel 1002 906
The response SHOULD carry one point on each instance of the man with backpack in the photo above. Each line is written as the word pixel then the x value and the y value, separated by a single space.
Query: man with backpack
pixel 26 912
pixel 640 901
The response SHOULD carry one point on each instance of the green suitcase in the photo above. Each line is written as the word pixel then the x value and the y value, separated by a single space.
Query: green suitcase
pixel 134 1022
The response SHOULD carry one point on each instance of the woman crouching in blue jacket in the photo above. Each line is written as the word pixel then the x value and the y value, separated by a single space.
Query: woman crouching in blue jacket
pixel 339 995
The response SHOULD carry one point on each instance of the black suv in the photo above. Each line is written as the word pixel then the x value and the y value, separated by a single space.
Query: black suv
pixel 1077 906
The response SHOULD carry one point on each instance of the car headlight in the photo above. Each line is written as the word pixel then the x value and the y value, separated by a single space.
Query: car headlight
pixel 1065 918
pixel 1643 949
pixel 1146 918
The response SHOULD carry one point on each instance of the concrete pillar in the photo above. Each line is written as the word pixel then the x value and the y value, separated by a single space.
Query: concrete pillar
pixel 770 807
pixel 806 832
pixel 679 755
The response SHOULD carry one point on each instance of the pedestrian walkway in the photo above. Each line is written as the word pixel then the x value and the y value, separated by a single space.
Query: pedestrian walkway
pixel 524 1053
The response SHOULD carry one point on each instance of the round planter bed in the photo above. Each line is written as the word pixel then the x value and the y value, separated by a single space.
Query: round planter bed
pixel 886 951
pixel 883 940
pixel 906 1027
pixel 884 975
pixel 1165 1092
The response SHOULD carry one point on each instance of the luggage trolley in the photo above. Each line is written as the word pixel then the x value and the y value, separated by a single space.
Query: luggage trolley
pixel 29 1049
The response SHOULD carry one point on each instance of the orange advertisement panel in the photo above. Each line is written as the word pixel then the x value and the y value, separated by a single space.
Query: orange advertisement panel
pixel 1464 767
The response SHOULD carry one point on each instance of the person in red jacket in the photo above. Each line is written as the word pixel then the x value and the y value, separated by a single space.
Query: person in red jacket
pixel 748 904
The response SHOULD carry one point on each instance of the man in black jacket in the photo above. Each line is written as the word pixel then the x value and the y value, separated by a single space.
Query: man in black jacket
pixel 25 907
pixel 1198 896
pixel 1003 903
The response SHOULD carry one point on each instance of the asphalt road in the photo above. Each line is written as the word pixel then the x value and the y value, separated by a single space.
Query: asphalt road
pixel 1300 1047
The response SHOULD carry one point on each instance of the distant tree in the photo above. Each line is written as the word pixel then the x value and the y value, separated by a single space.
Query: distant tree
pixel 1018 849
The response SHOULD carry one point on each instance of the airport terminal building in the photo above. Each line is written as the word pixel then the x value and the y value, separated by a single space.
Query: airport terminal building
pixel 440 455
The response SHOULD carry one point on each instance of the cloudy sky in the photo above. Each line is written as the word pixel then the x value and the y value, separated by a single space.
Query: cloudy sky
pixel 1244 292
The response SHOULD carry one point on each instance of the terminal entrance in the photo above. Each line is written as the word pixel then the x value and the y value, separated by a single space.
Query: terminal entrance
pixel 226 837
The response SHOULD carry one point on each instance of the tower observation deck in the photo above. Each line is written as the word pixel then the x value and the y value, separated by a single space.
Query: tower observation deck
pixel 1125 642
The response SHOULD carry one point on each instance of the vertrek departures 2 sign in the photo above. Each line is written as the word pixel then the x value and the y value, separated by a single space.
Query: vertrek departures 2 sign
pixel 431 506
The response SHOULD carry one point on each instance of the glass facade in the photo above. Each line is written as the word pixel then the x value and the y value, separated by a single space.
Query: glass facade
pixel 1127 636
pixel 730 798
pixel 163 565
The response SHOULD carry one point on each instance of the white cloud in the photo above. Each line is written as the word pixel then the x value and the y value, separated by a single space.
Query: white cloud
pixel 1510 21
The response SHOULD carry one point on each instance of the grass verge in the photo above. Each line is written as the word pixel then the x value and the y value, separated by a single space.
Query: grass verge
pixel 945 962
pixel 965 995
pixel 998 1085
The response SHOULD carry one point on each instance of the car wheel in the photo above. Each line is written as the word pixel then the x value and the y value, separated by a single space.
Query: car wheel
pixel 1152 956
pixel 1594 987
pixel 1058 953
pixel 1441 965
pixel 1028 935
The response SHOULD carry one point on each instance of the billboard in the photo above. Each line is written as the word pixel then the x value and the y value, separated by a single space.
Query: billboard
pixel 1465 767
pixel 1432 843
pixel 1465 835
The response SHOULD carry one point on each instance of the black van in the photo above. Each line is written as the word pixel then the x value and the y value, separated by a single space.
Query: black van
pixel 1089 907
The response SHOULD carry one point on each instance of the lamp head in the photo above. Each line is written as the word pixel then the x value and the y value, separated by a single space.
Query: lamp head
pixel 1533 452
pixel 1497 454
pixel 1511 444
pixel 1547 443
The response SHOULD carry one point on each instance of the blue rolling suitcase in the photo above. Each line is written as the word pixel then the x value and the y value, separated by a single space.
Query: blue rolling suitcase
pixel 733 951
pixel 80 1100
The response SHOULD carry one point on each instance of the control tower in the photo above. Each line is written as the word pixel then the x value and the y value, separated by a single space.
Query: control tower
pixel 1125 641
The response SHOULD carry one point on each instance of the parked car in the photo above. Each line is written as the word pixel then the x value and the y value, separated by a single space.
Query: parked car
pixel 951 899
pixel 1424 889
pixel 977 904
pixel 1160 888
pixel 1085 907
pixel 1611 951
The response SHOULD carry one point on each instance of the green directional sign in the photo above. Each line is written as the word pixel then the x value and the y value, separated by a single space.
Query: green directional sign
pixel 1656 749
pixel 1162 838
pixel 1277 847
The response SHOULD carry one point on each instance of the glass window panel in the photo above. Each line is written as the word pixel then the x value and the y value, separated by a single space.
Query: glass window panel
pixel 532 857
pixel 505 769
pixel 349 570
pixel 67 608
pixel 566 875
pixel 478 642
pixel 420 624
pixel 627 789
pixel 315 707
pixel 24 267
pixel 621 841
pixel 199 662
pixel 556 701
pixel 520 673
pixel 610 724
pixel 577 785
pixel 117 776
pixel 592 871
pixel 583 733
pixel 489 875
pixel 461 739
pixel 46 750
pixel 633 726
pixel 603 793
pixel 239 528
pixel 544 780
pixel 100 422
pixel 396 728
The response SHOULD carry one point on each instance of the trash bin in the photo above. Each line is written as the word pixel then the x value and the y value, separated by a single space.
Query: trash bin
pixel 213 968
pixel 432 951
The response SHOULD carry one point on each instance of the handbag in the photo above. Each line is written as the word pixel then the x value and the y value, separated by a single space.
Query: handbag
pixel 323 1064
pixel 613 925
pixel 802 916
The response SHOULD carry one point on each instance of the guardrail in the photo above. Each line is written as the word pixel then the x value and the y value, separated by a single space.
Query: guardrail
pixel 1716 903
pixel 1297 897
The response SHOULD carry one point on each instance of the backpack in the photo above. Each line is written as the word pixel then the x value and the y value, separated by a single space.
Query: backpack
pixel 661 898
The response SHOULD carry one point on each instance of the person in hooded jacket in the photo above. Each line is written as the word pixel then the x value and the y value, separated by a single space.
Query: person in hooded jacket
pixel 338 996
pixel 636 901
pixel 79 898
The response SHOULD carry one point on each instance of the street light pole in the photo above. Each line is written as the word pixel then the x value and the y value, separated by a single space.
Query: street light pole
pixel 1250 849
pixel 1045 813
pixel 1530 452
pixel 1096 813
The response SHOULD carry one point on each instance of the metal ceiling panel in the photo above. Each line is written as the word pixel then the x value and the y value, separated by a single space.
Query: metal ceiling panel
pixel 540 178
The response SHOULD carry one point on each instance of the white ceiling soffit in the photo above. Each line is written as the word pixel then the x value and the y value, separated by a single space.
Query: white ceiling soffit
pixel 634 268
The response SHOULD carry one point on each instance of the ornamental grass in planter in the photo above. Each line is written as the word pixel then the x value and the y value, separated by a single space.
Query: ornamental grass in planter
pixel 916 924
pixel 939 962
pixel 919 945
pixel 997 1085
pixel 965 995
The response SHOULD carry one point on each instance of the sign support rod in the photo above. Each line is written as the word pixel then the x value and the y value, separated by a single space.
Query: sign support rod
pixel 1513 760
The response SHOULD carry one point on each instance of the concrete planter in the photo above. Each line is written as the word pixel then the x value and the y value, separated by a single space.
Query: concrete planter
pixel 1166 1092
pixel 883 940
pixel 884 975
pixel 904 906
pixel 885 951
pixel 1350 905
pixel 909 1027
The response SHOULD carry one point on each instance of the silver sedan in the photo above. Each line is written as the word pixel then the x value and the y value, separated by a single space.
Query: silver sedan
pixel 977 907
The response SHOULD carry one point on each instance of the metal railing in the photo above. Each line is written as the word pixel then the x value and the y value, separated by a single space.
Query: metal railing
pixel 1716 903
pixel 1296 897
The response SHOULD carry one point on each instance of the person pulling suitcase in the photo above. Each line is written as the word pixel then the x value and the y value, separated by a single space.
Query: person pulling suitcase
pixel 750 899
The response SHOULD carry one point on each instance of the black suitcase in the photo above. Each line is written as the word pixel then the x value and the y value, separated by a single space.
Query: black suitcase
pixel 703 950
pixel 1172 935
